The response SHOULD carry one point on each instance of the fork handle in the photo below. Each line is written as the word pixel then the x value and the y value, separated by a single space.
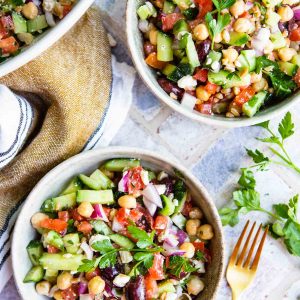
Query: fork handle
pixel 235 295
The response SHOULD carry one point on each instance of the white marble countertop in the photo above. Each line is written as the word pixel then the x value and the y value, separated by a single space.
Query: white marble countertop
pixel 215 156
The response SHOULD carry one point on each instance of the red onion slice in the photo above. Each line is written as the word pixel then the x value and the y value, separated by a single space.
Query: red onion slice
pixel 151 193
pixel 150 206
pixel 82 288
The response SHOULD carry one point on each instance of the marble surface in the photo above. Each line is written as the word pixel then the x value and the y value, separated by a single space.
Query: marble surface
pixel 215 156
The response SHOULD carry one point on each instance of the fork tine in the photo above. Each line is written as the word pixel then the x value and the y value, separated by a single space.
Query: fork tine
pixel 243 253
pixel 238 244
pixel 259 250
pixel 247 263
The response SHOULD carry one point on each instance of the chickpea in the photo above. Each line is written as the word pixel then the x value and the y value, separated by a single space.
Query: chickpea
pixel 43 287
pixel 202 94
pixel 153 36
pixel 191 226
pixel 30 10
pixel 127 201
pixel 201 32
pixel 242 25
pixel 286 54
pixel 85 209
pixel 260 85
pixel 230 54
pixel 195 213
pixel 195 285
pixel 58 296
pixel 188 248
pixel 269 48
pixel 285 13
pixel 37 218
pixel 96 285
pixel 25 37
pixel 205 232
pixel 256 77
pixel 64 280
pixel 237 8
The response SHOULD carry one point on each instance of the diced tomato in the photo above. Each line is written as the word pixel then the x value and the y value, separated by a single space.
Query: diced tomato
pixel 92 274
pixel 64 215
pixel 76 216
pixel 295 35
pixel 153 62
pixel 211 88
pixel 151 288
pixel 199 246
pixel 204 108
pixel 160 223
pixel 52 249
pixel 297 78
pixel 204 7
pixel 70 293
pixel 9 45
pixel 106 210
pixel 187 208
pixel 146 221
pixel 85 227
pixel 244 96
pixel 201 75
pixel 167 261
pixel 135 215
pixel 135 182
pixel 67 9
pixel 168 21
pixel 122 216
pixel 156 272
pixel 7 22
pixel 54 224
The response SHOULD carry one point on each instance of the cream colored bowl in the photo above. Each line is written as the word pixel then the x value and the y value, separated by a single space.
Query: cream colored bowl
pixel 86 162
pixel 46 39
pixel 135 43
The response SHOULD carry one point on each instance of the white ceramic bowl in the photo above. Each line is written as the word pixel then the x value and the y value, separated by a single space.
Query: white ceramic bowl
pixel 135 43
pixel 46 39
pixel 86 162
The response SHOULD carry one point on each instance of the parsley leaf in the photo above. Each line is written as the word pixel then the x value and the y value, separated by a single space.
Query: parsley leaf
pixel 144 239
pixel 146 258
pixel 220 5
pixel 247 179
pixel 259 158
pixel 229 216
pixel 103 247
pixel 88 265
pixel 108 259
pixel 178 264
pixel 286 127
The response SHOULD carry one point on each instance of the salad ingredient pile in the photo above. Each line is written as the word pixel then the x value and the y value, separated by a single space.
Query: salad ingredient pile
pixel 230 57
pixel 21 21
pixel 124 232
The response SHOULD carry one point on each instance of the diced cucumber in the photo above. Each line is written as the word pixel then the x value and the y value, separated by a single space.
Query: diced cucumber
pixel 169 69
pixel 37 24
pixel 101 227
pixel 179 220
pixel 35 274
pixel 53 238
pixel 251 107
pixel 169 7
pixel 191 13
pixel 47 206
pixel 180 194
pixel 179 53
pixel 119 164
pixel 147 10
pixel 247 59
pixel 72 187
pixel 166 287
pixel 51 275
pixel 122 241
pixel 288 68
pixel 20 24
pixel 238 38
pixel 105 182
pixel 296 60
pixel 71 242
pixel 212 61
pixel 61 262
pixel 35 251
pixel 164 47
pixel 64 202
pixel 180 71
pixel 90 182
pixel 180 27
pixel 191 50
pixel 221 78
pixel 96 197
pixel 278 40
pixel 168 206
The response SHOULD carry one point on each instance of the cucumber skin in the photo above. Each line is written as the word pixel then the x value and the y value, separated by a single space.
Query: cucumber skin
pixel 72 187
pixel 37 24
pixel 106 183
pixel 90 182
pixel 168 206
pixel 53 238
pixel 100 227
pixel 119 164
pixel 58 261
pixel 164 47
pixel 122 241
pixel 35 251
pixel 251 107
pixel 35 274
pixel 95 197
pixel 74 246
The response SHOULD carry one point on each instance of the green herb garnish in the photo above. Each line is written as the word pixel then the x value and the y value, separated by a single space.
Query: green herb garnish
pixel 178 264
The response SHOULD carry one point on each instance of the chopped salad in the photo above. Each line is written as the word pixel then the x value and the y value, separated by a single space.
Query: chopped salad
pixel 230 57
pixel 21 21
pixel 124 232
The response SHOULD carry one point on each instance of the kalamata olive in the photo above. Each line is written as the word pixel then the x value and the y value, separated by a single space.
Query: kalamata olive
pixel 146 221
pixel 171 87
pixel 135 290
pixel 292 25
pixel 149 48
pixel 168 181
pixel 111 272
pixel 203 49
pixel 281 26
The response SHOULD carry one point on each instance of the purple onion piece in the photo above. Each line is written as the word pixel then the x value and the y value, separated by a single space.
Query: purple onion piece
pixel 168 182
pixel 281 26
pixel 181 236
pixel 82 288
pixel 171 87
pixel 203 49
pixel 292 24
pixel 135 290
pixel 297 14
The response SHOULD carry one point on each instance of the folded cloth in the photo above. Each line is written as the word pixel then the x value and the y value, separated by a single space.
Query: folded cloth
pixel 72 81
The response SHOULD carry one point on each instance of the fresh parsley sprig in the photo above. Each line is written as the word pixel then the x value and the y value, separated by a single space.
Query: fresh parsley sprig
pixel 178 264
pixel 285 130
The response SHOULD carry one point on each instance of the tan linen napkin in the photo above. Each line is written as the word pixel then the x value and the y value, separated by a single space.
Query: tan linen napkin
pixel 73 81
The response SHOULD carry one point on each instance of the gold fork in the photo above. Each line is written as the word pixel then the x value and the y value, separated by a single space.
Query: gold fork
pixel 240 270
